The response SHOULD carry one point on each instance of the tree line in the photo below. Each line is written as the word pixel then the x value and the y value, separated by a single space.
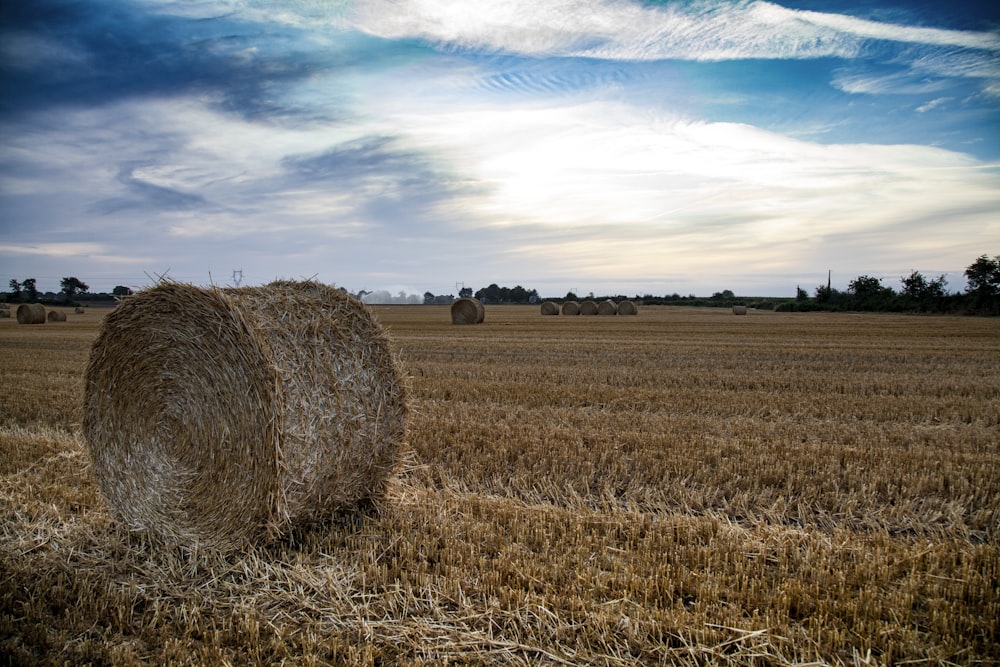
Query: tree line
pixel 865 293
pixel 917 294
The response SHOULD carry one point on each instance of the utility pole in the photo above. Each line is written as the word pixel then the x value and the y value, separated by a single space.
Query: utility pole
pixel 237 277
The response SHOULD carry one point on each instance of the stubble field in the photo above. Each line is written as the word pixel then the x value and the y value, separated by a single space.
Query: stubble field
pixel 681 487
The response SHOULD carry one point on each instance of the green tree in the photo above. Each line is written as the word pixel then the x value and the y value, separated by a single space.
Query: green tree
pixel 29 286
pixel 15 290
pixel 924 293
pixel 984 282
pixel 465 293
pixel 72 285
pixel 868 293
pixel 121 290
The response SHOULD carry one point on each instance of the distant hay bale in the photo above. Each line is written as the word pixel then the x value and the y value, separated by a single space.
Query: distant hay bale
pixel 608 307
pixel 467 311
pixel 31 313
pixel 224 417
pixel 739 310
pixel 588 308
pixel 56 316
pixel 78 310
pixel 550 308
pixel 4 312
pixel 627 308
pixel 571 308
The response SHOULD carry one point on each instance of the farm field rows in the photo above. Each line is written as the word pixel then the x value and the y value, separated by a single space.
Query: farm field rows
pixel 684 486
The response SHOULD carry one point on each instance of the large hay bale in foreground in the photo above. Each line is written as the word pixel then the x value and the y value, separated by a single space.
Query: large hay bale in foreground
pixel 588 308
pixel 571 308
pixel 31 313
pixel 467 311
pixel 739 310
pixel 550 308
pixel 56 316
pixel 628 308
pixel 221 417
pixel 608 307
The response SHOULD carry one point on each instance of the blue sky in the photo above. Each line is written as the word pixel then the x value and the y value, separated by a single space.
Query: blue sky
pixel 416 145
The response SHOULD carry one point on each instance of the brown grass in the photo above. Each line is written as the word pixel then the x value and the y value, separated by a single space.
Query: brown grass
pixel 222 417
pixel 675 489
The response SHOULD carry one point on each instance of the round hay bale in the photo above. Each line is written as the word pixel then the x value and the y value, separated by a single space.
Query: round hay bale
pixel 4 312
pixel 223 417
pixel 571 308
pixel 467 311
pixel 78 310
pixel 588 308
pixel 608 307
pixel 550 308
pixel 628 308
pixel 739 310
pixel 56 316
pixel 31 313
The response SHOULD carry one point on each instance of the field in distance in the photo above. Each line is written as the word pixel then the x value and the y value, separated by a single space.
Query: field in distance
pixel 685 486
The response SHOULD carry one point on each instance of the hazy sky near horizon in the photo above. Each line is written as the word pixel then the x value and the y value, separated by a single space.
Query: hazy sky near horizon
pixel 603 146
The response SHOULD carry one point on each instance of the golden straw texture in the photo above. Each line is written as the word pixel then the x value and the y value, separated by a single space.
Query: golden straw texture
pixel 218 417
pixel 56 316
pixel 628 308
pixel 550 308
pixel 608 307
pixel 31 313
pixel 467 311
pixel 588 308
pixel 571 308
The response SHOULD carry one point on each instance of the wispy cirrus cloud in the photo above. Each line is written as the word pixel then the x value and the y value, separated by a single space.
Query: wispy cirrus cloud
pixel 630 31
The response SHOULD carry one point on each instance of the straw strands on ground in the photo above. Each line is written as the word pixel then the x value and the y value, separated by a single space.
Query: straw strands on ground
pixel 31 313
pixel 221 417
pixel 550 308
pixel 467 311
pixel 571 308
pixel 627 308
pixel 588 308
pixel 608 307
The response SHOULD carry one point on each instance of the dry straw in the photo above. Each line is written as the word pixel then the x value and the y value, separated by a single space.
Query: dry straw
pixel 550 308
pixel 739 310
pixel 31 313
pixel 628 308
pixel 220 417
pixel 78 310
pixel 467 311
pixel 56 316
pixel 571 308
pixel 588 308
pixel 608 307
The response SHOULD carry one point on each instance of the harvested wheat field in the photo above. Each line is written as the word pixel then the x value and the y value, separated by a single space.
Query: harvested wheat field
pixel 685 487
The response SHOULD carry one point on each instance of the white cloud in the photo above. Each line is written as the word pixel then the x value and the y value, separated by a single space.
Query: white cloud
pixel 620 30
